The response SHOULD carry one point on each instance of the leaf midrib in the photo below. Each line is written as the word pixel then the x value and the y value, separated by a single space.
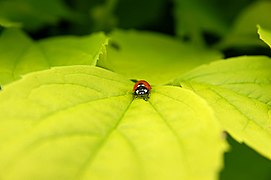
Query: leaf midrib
pixel 100 145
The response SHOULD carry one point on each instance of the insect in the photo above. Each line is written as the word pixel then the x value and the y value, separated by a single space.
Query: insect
pixel 142 89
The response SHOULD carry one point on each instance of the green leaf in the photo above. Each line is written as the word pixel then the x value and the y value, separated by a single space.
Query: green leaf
pixel 241 162
pixel 239 91
pixel 265 35
pixel 243 32
pixel 112 13
pixel 194 17
pixel 103 16
pixel 8 24
pixel 34 14
pixel 81 122
pixel 151 56
pixel 20 55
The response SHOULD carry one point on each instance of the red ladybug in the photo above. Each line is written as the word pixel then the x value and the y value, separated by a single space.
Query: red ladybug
pixel 142 89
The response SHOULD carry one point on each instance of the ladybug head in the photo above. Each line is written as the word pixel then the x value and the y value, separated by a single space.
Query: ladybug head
pixel 141 90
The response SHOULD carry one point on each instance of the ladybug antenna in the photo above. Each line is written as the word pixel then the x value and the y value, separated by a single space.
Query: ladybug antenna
pixel 133 80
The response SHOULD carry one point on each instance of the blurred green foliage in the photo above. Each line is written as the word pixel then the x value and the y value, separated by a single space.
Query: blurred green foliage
pixel 241 162
pixel 227 26
pixel 224 24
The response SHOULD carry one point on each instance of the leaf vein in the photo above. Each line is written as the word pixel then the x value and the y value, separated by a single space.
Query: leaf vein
pixel 190 107
pixel 48 115
pixel 135 152
pixel 242 113
pixel 90 159
pixel 174 133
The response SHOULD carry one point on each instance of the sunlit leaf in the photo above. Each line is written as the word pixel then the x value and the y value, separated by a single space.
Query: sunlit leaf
pixel 265 35
pixel 155 57
pixel 20 55
pixel 239 91
pixel 81 122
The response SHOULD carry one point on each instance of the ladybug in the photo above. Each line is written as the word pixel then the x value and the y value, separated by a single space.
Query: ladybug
pixel 142 89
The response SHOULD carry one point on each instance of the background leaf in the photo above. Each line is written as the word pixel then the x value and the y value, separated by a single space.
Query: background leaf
pixel 7 23
pixel 194 17
pixel 239 91
pixel 151 56
pixel 82 121
pixel 241 159
pixel 128 16
pixel 243 33
pixel 265 35
pixel 34 14
pixel 20 55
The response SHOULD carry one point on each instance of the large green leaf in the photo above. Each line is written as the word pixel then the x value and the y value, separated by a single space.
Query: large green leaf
pixel 20 55
pixel 243 32
pixel 265 35
pixel 81 122
pixel 34 14
pixel 239 91
pixel 155 57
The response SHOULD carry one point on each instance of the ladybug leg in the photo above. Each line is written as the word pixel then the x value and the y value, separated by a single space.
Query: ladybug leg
pixel 135 96
pixel 146 97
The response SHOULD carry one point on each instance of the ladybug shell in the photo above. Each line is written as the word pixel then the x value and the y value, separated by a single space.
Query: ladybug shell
pixel 145 83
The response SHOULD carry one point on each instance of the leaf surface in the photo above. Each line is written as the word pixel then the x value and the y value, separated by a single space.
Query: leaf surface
pixel 8 23
pixel 154 57
pixel 195 17
pixel 243 32
pixel 81 122
pixel 20 55
pixel 34 14
pixel 239 91
pixel 265 35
